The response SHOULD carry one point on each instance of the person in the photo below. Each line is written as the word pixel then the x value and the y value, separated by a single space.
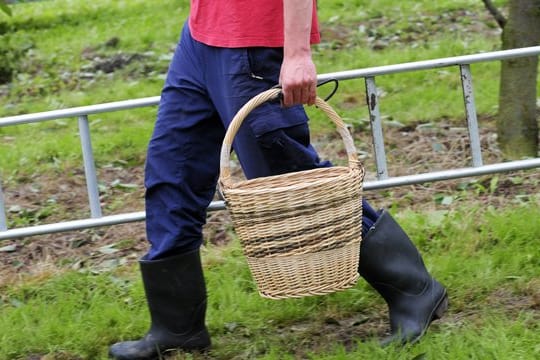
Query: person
pixel 230 51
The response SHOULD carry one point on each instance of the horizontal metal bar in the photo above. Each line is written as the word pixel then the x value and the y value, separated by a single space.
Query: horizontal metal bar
pixel 72 225
pixel 340 75
pixel 79 111
pixel 86 223
pixel 453 174
pixel 220 205
pixel 432 64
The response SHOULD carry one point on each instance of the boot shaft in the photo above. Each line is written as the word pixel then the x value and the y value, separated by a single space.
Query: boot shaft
pixel 176 296
pixel 389 258
pixel 176 293
pixel 392 265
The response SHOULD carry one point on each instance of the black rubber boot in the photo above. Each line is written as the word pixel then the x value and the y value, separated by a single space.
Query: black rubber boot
pixel 176 296
pixel 390 263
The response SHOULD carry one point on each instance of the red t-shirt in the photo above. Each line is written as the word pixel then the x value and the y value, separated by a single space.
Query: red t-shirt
pixel 242 23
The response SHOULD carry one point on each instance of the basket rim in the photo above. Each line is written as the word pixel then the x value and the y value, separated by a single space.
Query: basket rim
pixel 341 173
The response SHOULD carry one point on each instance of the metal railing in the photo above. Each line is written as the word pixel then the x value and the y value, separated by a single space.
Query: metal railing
pixel 383 180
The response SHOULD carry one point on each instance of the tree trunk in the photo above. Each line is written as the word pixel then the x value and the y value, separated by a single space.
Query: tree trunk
pixel 517 124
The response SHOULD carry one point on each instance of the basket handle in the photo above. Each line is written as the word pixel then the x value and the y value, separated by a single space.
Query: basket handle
pixel 225 169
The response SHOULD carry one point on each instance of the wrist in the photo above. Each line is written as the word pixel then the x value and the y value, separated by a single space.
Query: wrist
pixel 297 52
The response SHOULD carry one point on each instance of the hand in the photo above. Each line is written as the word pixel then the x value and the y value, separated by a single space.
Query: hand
pixel 298 79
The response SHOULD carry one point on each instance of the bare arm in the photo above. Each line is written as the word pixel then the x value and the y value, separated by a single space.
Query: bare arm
pixel 298 75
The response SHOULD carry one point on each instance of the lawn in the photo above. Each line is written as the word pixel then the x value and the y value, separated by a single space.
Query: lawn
pixel 68 296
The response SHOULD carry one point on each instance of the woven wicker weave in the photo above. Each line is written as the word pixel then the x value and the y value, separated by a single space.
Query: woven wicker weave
pixel 300 231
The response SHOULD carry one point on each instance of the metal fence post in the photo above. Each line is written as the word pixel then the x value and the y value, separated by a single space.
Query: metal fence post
pixel 470 111
pixel 89 167
pixel 376 128
pixel 3 219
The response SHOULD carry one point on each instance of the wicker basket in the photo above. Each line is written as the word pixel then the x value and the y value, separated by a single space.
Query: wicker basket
pixel 300 231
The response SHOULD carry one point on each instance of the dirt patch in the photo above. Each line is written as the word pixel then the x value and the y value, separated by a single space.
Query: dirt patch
pixel 346 331
pixel 379 32
pixel 99 58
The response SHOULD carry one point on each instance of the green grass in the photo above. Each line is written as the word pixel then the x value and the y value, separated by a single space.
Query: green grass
pixel 488 259
pixel 61 39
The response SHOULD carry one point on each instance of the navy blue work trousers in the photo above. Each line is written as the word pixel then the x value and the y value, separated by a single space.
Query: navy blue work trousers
pixel 204 88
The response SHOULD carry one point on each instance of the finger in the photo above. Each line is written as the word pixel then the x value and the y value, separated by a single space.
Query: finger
pixel 312 95
pixel 304 94
pixel 296 96
pixel 287 97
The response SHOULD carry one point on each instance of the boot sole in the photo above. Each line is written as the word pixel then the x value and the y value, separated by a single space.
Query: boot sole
pixel 438 312
pixel 441 308
pixel 161 353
